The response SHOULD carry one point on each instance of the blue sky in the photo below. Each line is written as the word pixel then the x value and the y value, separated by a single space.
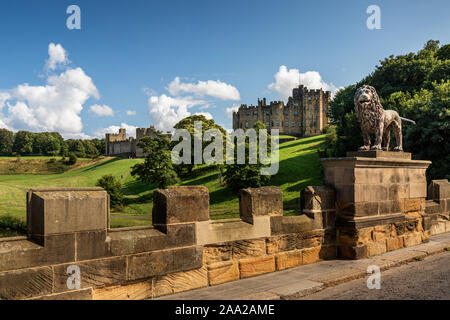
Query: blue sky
pixel 164 60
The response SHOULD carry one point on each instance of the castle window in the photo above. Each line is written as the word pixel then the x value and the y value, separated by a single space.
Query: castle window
pixel 286 112
pixel 286 124
pixel 324 108
pixel 267 124
pixel 292 124
pixel 278 124
pixel 268 112
pixel 299 124
pixel 296 113
pixel 246 124
pixel 310 117
pixel 247 113
pixel 295 104
pixel 316 108
pixel 307 107
pixel 255 113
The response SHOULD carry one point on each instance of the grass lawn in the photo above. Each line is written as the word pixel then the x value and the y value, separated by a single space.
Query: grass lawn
pixel 299 167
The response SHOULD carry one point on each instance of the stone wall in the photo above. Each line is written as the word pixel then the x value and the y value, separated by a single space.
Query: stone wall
pixel 68 229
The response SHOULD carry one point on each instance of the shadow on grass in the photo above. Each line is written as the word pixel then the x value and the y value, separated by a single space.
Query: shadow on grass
pixel 301 142
pixel 98 165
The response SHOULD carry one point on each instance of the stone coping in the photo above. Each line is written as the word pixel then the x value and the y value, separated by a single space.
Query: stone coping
pixel 380 154
pixel 364 162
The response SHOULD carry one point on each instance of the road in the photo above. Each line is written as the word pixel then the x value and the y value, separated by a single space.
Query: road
pixel 428 279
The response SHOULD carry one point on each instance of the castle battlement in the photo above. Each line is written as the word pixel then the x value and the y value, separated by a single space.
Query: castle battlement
pixel 305 114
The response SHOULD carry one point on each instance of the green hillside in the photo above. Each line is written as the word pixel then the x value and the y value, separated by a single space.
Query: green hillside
pixel 299 167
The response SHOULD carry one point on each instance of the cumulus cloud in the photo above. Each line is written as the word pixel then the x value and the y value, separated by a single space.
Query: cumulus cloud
pixel 57 57
pixel 101 110
pixel 212 88
pixel 166 111
pixel 131 113
pixel 230 111
pixel 55 106
pixel 131 130
pixel 287 79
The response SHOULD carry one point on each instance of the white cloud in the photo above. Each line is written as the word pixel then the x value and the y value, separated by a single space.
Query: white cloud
pixel 101 110
pixel 166 111
pixel 131 113
pixel 57 57
pixel 230 111
pixel 287 79
pixel 55 106
pixel 216 89
pixel 131 130
pixel 206 114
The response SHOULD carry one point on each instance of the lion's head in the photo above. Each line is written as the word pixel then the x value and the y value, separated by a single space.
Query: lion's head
pixel 368 107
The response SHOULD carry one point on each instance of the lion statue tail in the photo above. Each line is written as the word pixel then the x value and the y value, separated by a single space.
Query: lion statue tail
pixel 408 120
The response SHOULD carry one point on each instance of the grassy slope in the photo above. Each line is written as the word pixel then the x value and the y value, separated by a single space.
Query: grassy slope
pixel 299 167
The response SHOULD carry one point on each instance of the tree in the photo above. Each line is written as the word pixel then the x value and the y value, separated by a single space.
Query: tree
pixel 113 187
pixel 90 149
pixel 157 167
pixel 239 176
pixel 188 124
pixel 415 85
pixel 23 143
pixel 72 159
pixel 6 142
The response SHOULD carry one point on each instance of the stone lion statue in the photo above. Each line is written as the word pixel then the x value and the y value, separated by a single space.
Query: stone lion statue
pixel 374 119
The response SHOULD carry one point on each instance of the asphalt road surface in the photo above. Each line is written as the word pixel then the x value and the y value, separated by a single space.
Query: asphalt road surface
pixel 428 279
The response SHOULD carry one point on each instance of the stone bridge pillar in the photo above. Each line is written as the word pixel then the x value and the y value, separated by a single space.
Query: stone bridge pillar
pixel 380 201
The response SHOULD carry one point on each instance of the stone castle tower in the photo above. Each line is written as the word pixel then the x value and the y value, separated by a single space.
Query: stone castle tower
pixel 305 114
pixel 119 144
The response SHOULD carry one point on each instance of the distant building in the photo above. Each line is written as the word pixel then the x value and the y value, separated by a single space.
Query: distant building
pixel 119 144
pixel 305 114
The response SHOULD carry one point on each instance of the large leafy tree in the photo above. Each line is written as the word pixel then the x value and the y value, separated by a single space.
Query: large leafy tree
pixel 188 124
pixel 415 85
pixel 239 176
pixel 6 142
pixel 157 167
pixel 23 143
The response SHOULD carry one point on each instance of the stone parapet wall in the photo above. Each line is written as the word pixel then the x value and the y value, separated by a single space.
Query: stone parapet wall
pixel 68 230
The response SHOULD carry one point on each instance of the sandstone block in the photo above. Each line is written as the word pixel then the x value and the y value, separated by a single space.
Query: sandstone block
pixel 221 272
pixel 317 198
pixel 82 294
pixel 375 248
pixel 217 253
pixel 439 189
pixel 180 204
pixel 412 205
pixel 412 239
pixel 394 243
pixel 328 252
pixel 149 264
pixel 56 211
pixel 179 282
pixel 260 202
pixel 93 273
pixel 288 259
pixel 134 291
pixel 254 266
pixel 353 252
pixel 25 283
pixel 311 255
pixel 248 248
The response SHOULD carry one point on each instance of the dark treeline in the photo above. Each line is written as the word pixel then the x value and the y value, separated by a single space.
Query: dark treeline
pixel 25 143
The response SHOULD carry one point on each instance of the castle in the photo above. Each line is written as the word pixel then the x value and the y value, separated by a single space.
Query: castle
pixel 118 144
pixel 305 114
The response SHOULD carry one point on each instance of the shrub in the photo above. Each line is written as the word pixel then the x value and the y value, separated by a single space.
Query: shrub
pixel 10 223
pixel 72 159
pixel 113 186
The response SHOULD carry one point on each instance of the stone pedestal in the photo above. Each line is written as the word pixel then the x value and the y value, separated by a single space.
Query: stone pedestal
pixel 380 201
